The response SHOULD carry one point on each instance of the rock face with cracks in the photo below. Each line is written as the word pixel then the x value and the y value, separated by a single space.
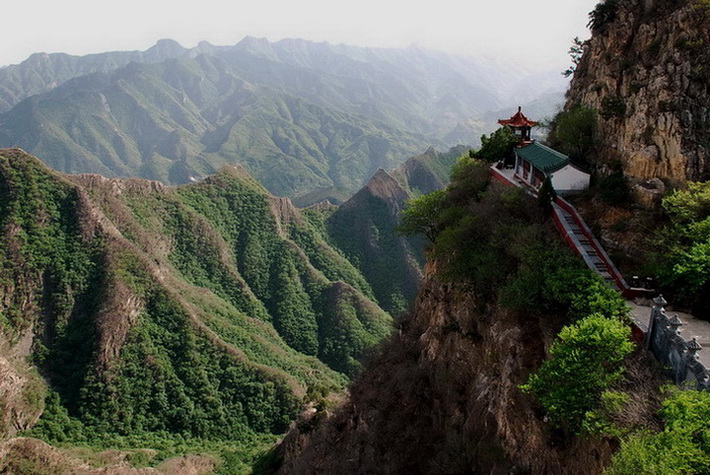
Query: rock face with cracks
pixel 647 73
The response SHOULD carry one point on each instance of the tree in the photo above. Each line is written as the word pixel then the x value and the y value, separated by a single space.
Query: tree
pixel 572 132
pixel 498 146
pixel 576 51
pixel 422 215
pixel 585 359
pixel 686 246
pixel 546 194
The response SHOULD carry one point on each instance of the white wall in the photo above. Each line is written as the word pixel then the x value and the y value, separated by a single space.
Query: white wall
pixel 570 178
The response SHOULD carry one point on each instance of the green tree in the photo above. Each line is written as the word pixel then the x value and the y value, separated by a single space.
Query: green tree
pixel 584 360
pixel 546 194
pixel 422 215
pixel 576 51
pixel 572 132
pixel 683 447
pixel 498 146
pixel 685 243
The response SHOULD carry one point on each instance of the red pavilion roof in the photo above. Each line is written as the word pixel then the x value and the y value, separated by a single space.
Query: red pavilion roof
pixel 518 120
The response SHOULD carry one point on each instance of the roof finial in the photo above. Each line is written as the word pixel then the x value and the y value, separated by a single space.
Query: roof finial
pixel 520 108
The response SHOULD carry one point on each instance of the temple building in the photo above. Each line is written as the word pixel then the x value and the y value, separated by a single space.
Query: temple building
pixel 535 162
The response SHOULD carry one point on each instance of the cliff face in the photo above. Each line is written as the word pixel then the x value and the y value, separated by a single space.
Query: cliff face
pixel 443 398
pixel 647 73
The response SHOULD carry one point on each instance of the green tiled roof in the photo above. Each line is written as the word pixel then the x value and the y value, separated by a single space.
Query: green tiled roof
pixel 543 158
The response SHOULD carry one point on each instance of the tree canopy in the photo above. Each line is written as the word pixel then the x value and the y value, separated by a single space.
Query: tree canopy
pixel 585 359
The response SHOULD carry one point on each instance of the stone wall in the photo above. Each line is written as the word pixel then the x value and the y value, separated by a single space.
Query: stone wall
pixel 664 340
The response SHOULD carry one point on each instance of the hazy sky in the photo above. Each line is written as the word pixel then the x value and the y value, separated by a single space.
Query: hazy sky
pixel 539 32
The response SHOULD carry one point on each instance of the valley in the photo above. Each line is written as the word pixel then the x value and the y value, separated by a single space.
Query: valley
pixel 300 257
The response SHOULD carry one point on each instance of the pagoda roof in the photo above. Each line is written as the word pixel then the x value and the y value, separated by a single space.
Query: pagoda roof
pixel 518 120
pixel 543 158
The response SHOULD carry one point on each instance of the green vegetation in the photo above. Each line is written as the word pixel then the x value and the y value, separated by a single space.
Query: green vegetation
pixel 584 361
pixel 498 240
pixel 498 146
pixel 422 215
pixel 198 325
pixel 573 133
pixel 603 14
pixel 614 189
pixel 612 106
pixel 40 236
pixel 684 255
pixel 682 447
pixel 576 51
pixel 546 194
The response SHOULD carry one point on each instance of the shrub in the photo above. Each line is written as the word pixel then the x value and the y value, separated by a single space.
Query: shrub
pixel 603 14
pixel 683 447
pixel 614 189
pixel 613 106
pixel 584 360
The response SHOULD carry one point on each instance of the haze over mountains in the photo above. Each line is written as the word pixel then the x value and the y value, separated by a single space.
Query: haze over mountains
pixel 300 116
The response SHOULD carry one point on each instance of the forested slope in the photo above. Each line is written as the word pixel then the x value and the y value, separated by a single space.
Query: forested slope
pixel 210 310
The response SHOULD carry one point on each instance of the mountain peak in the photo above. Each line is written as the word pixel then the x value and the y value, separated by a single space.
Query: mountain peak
pixel 165 49
pixel 164 43
pixel 384 186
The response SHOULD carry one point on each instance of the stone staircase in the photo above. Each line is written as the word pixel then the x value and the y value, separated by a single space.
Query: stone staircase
pixel 580 238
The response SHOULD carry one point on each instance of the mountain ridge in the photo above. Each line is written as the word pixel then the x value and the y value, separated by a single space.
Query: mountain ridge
pixel 301 116
pixel 129 281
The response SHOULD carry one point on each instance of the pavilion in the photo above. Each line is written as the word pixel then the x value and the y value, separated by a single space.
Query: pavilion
pixel 535 162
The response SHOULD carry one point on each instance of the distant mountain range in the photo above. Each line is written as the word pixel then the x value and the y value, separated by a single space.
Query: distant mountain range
pixel 300 116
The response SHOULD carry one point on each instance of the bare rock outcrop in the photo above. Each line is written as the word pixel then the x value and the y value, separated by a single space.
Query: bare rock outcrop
pixel 647 73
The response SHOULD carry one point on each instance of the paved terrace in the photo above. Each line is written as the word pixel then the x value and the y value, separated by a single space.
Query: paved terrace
pixel 691 328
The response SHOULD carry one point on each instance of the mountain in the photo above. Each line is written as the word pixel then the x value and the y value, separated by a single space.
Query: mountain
pixel 646 71
pixel 42 72
pixel 365 227
pixel 135 313
pixel 446 393
pixel 300 116
pixel 180 120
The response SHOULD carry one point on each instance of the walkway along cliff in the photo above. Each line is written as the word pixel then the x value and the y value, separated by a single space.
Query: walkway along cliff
pixel 660 333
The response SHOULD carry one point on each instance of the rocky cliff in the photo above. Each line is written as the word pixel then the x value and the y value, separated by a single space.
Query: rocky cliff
pixel 444 395
pixel 646 71
pixel 444 398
